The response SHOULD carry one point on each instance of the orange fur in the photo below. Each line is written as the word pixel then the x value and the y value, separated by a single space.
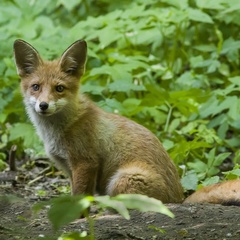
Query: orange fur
pixel 99 151
pixel 221 193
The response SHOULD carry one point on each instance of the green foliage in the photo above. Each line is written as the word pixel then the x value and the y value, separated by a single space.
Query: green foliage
pixel 3 165
pixel 233 174
pixel 65 209
pixel 210 168
pixel 172 66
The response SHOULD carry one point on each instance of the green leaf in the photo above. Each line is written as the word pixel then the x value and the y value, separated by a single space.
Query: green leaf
pixel 199 16
pixel 224 69
pixel 69 4
pixel 222 130
pixel 125 85
pixel 206 48
pixel 180 4
pixel 143 203
pixel 233 174
pixel 147 36
pixel 198 166
pixel 93 89
pixel 117 72
pixel 3 164
pixel 230 45
pixel 211 180
pixel 108 35
pixel 220 158
pixel 154 112
pixel 189 181
pixel 213 4
pixel 26 132
pixel 112 105
pixel 107 202
pixel 131 104
pixel 235 80
pixel 74 207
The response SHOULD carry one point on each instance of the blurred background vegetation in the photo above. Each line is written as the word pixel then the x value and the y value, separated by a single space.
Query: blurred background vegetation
pixel 173 66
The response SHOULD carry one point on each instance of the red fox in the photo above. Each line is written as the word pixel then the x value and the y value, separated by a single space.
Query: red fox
pixel 100 152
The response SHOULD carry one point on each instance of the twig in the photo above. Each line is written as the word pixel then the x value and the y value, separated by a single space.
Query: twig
pixel 35 180
pixel 11 159
pixel 45 170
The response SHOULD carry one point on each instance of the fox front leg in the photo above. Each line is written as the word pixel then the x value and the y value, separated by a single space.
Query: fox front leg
pixel 83 180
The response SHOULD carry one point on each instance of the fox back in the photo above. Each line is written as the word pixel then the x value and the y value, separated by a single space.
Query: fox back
pixel 99 151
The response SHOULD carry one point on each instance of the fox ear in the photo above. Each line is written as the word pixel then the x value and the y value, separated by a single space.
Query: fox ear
pixel 73 59
pixel 27 58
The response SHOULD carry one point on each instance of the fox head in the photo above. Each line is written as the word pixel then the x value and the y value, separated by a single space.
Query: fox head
pixel 49 86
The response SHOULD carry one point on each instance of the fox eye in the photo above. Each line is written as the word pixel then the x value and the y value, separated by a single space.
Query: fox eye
pixel 35 87
pixel 59 88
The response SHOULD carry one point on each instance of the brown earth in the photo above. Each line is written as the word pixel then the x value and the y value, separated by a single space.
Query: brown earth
pixel 18 222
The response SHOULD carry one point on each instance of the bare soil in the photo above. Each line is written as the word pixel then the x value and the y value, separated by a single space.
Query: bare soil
pixel 17 221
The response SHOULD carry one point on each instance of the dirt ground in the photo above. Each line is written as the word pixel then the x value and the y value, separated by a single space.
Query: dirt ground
pixel 17 221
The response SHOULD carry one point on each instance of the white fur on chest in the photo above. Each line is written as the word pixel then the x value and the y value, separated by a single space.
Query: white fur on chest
pixel 53 141
pixel 52 135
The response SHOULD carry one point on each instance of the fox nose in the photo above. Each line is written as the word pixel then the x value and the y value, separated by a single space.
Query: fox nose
pixel 43 106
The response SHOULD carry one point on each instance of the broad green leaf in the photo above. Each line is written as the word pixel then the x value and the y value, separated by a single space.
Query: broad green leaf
pixel 69 4
pixel 180 4
pixel 143 203
pixel 26 132
pixel 174 124
pixel 147 37
pixel 220 158
pixel 211 180
pixel 233 174
pixel 214 65
pixel 107 202
pixel 213 4
pixel 199 16
pixel 117 72
pixel 131 105
pixel 124 86
pixel 212 171
pixel 209 107
pixel 92 88
pixel 222 130
pixel 234 6
pixel 189 181
pixel 230 45
pixel 235 80
pixel 112 105
pixel 74 207
pixel 108 35
pixel 154 112
pixel 224 69
pixel 167 144
pixel 206 48
pixel 3 117
pixel 198 166
pixel 3 164
pixel 233 142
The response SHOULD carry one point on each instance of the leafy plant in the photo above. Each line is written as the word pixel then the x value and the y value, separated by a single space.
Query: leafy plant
pixel 65 209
